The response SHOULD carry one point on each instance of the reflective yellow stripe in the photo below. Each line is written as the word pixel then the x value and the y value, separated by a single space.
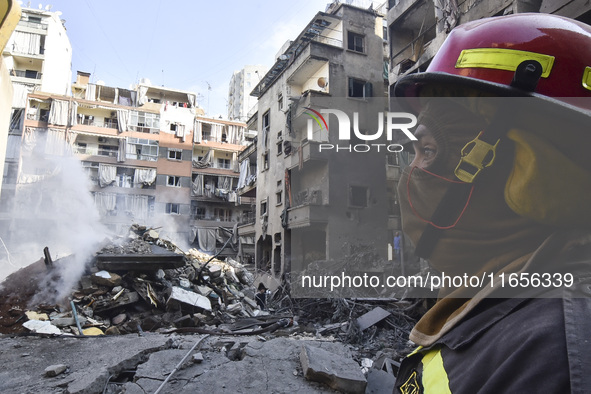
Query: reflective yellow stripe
pixel 502 59
pixel 434 379
pixel 587 78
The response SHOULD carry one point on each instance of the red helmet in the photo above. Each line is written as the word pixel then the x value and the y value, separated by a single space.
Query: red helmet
pixel 484 54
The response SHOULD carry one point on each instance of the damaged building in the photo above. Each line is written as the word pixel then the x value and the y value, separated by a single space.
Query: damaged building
pixel 149 153
pixel 314 205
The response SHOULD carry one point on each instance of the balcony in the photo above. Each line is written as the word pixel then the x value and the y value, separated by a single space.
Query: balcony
pixel 307 215
pixel 310 151
pixel 90 151
pixel 33 25
pixel 26 76
pixel 107 123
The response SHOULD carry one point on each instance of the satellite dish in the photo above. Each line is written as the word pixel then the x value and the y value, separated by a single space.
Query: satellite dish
pixel 322 82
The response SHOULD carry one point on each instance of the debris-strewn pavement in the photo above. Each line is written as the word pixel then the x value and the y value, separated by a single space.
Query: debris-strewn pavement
pixel 133 364
pixel 145 317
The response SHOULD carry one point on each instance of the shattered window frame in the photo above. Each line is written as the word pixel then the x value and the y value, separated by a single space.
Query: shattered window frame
pixel 173 181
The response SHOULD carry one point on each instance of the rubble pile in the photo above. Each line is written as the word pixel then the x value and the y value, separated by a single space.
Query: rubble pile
pixel 143 284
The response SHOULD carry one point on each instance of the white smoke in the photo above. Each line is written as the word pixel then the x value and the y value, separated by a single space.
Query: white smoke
pixel 53 208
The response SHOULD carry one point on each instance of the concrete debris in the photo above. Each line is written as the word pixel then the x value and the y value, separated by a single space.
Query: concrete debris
pixel 107 279
pixel 340 373
pixel 31 315
pixel 190 298
pixel 198 358
pixel 92 331
pixel 372 317
pixel 54 370
pixel 145 285
pixel 41 327
pixel 380 382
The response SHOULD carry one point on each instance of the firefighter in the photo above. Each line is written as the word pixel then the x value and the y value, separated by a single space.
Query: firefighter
pixel 499 189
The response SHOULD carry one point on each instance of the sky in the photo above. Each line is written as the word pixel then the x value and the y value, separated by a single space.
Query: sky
pixel 191 45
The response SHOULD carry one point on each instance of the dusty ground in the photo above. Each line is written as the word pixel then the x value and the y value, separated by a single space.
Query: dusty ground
pixel 134 364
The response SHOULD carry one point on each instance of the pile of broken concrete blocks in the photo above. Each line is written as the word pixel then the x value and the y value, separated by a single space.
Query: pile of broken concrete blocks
pixel 147 284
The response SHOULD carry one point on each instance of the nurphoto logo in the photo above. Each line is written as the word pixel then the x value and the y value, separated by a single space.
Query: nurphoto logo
pixel 391 122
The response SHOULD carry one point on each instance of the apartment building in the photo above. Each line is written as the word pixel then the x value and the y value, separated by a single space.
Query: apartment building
pixel 38 57
pixel 240 102
pixel 314 205
pixel 151 155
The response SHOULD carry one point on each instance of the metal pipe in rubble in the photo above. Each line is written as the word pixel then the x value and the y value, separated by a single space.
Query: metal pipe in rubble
pixel 75 314
pixel 180 363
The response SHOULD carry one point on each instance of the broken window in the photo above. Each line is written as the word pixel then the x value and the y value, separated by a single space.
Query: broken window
pixel 175 154
pixel 173 208
pixel 266 161
pixel 358 196
pixel 174 181
pixel 280 101
pixel 360 88
pixel 16 119
pixel 355 42
pixel 264 208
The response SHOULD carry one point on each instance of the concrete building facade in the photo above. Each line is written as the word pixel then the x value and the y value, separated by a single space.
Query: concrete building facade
pixel 38 57
pixel 314 205
pixel 240 103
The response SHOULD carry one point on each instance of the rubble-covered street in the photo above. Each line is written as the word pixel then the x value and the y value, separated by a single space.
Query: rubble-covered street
pixel 146 316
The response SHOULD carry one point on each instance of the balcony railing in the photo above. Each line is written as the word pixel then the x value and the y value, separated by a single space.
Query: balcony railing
pixel 26 74
pixel 109 124
pixel 34 25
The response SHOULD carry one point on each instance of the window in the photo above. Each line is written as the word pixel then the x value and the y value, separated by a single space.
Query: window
pixel 392 159
pixel 279 197
pixel 173 209
pixel 81 148
pixel 355 42
pixel 279 148
pixel 174 181
pixel 266 121
pixel 107 150
pixel 16 118
pixel 221 214
pixel 266 161
pixel 358 196
pixel 264 208
pixel 141 149
pixel 224 163
pixel 175 154
pixel 144 122
pixel 200 213
pixel 360 88
pixel 280 101
pixel 173 126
